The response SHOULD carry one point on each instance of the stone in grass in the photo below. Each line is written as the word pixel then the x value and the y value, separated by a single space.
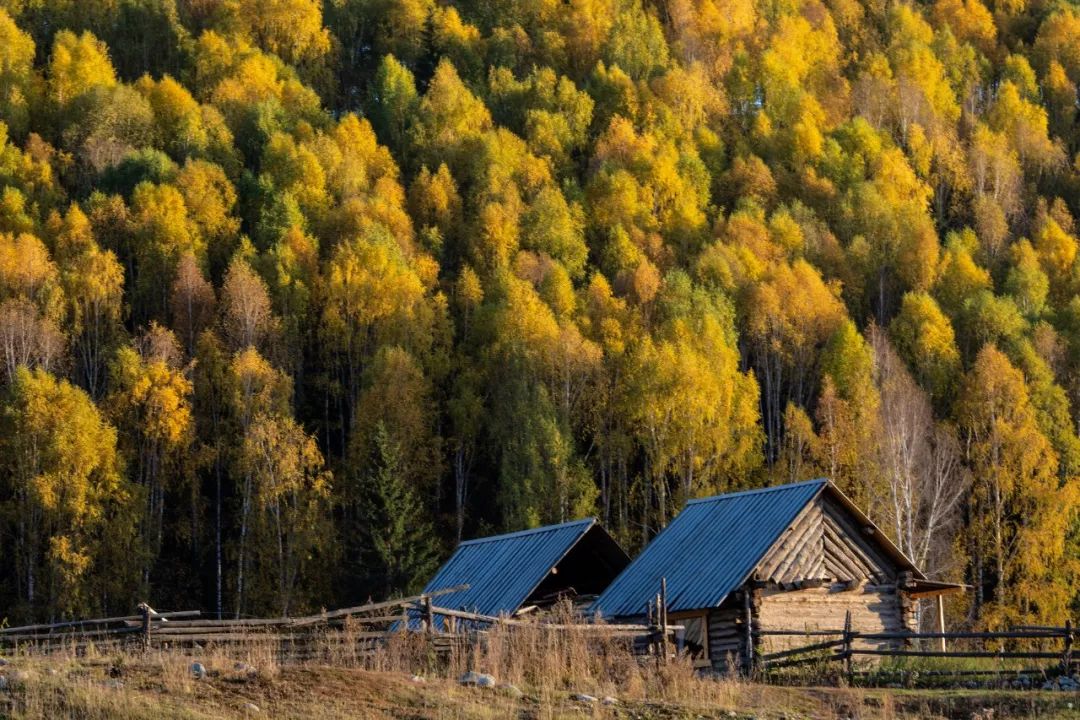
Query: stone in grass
pixel 3 662
pixel 583 698
pixel 609 701
pixel 512 690
pixel 418 679
pixel 251 709
pixel 244 669
pixel 3 683
pixel 475 679
pixel 198 670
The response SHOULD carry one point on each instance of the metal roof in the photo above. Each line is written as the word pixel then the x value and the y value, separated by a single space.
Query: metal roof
pixel 708 550
pixel 503 570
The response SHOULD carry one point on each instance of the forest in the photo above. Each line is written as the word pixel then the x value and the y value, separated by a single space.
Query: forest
pixel 296 294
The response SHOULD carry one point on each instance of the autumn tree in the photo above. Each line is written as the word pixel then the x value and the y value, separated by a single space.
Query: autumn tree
pixel 1020 512
pixel 66 503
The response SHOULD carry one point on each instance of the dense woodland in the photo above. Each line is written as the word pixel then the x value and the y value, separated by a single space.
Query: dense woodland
pixel 296 294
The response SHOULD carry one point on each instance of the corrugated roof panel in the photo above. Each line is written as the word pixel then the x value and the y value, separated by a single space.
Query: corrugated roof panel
pixel 708 550
pixel 503 570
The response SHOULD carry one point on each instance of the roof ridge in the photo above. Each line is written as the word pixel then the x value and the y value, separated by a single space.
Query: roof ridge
pixel 756 491
pixel 530 531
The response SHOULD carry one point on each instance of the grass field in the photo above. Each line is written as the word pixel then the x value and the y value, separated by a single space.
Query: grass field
pixel 405 678
pixel 161 686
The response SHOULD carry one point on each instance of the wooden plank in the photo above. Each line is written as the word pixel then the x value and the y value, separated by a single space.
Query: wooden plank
pixel 791 539
pixel 803 649
pixel 959 636
pixel 221 638
pixel 23 629
pixel 836 549
pixel 956 654
pixel 254 632
pixel 880 564
pixel 584 627
pixel 372 607
pixel 807 534
pixel 67 636
pixel 811 553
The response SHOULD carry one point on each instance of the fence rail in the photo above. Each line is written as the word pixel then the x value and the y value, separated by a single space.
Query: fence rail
pixel 845 646
pixel 365 625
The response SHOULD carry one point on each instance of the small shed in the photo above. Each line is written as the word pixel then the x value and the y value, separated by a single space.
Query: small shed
pixel 791 557
pixel 506 573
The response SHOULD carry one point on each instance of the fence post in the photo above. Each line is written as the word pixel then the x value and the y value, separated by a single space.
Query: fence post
pixel 1066 658
pixel 748 621
pixel 428 617
pixel 847 646
pixel 658 647
pixel 941 620
pixel 147 614
pixel 663 620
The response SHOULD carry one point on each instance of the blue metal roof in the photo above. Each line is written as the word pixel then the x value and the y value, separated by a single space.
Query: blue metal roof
pixel 503 570
pixel 708 550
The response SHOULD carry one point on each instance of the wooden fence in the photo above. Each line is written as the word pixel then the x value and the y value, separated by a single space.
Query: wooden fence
pixel 365 627
pixel 845 646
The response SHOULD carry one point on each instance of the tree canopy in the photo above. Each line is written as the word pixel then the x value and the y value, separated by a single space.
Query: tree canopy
pixel 296 294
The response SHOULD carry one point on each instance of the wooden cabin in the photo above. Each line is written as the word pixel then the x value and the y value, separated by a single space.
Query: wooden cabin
pixel 506 574
pixel 792 557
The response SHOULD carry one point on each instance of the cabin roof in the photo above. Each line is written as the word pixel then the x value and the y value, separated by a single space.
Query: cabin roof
pixel 502 571
pixel 713 546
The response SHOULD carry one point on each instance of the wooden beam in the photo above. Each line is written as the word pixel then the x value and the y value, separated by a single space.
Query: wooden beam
pixel 941 620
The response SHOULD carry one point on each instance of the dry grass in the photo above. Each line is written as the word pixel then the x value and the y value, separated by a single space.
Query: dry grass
pixel 341 676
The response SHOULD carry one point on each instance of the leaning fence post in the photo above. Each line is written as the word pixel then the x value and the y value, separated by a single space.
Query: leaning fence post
pixel 1066 658
pixel 847 646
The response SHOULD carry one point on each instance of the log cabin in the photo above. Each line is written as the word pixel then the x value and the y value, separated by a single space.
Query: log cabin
pixel 530 569
pixel 793 557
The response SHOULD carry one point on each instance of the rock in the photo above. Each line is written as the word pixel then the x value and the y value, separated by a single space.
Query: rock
pixel 1048 685
pixel 3 662
pixel 244 669
pixel 198 670
pixel 3 683
pixel 583 698
pixel 609 701
pixel 475 679
pixel 417 679
pixel 511 690
pixel 251 709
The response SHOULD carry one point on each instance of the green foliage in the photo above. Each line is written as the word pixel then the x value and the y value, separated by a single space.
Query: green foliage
pixel 400 547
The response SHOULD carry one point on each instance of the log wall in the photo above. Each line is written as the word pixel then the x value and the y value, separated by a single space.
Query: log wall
pixel 726 633
pixel 874 609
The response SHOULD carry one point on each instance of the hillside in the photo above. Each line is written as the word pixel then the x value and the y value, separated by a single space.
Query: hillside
pixel 296 294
